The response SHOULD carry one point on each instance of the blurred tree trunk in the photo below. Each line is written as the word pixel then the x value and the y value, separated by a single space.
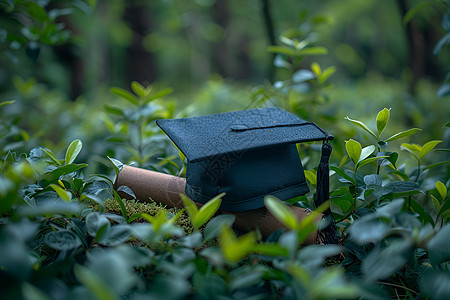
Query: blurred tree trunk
pixel 140 63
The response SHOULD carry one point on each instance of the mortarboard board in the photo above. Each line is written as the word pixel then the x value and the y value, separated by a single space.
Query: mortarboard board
pixel 247 154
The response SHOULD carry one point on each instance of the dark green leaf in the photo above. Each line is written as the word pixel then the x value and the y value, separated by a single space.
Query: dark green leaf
pixel 63 170
pixel 122 206
pixel 373 180
pixel 368 229
pixel 115 235
pixel 414 10
pixel 341 173
pixel 382 263
pixel 117 165
pixel 439 246
pixel 435 284
pixel 94 221
pixel 126 190
pixel 214 226
pixel 63 240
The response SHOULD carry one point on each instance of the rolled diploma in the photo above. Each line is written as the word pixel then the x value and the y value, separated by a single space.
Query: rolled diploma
pixel 166 189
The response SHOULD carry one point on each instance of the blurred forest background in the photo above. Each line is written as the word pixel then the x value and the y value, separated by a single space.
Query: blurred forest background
pixel 59 60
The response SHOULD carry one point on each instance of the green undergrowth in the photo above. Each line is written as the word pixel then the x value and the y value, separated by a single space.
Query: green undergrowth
pixel 152 208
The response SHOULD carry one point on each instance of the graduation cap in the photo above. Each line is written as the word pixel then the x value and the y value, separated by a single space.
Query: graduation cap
pixel 247 154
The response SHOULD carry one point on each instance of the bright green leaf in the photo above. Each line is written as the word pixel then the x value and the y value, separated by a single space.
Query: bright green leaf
pixel 362 125
pixel 442 189
pixel 403 134
pixel 365 152
pixel 190 207
pixel 316 69
pixel 414 149
pixel 382 120
pixel 282 50
pixel 125 95
pixel 7 102
pixel 281 211
pixel 312 51
pixel 235 248
pixel 327 74
pixel 368 161
pixel 73 151
pixel 158 95
pixel 341 173
pixel 114 110
pixel 207 211
pixel 138 89
pixel 66 196
pixel 353 150
pixel 427 148
pixel 311 177
pixel 52 156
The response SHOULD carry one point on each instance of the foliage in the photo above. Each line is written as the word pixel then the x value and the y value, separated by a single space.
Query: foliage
pixel 66 233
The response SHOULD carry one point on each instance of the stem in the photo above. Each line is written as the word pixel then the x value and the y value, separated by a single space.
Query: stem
pixel 399 286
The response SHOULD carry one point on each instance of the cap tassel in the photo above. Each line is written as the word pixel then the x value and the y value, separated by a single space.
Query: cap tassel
pixel 326 235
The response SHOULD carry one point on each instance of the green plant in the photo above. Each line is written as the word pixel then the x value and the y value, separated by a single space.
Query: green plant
pixel 134 126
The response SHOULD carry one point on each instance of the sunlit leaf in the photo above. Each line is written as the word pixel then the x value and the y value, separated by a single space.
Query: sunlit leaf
pixel 311 177
pixel 442 189
pixel 428 147
pixel 281 211
pixel 315 67
pixel 52 156
pixel 158 95
pixel 353 150
pixel 414 149
pixel 363 126
pixel 72 151
pixel 365 152
pixel 235 248
pixel 7 102
pixel 138 89
pixel 66 196
pixel 403 134
pixel 207 211
pixel 312 51
pixel 382 120
pixel 125 95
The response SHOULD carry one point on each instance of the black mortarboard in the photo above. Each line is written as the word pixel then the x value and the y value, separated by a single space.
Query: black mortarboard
pixel 246 154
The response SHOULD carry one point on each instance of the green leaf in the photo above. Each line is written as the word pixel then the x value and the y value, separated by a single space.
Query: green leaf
pixel 442 190
pixel 282 50
pixel 190 207
pixel 281 211
pixel 365 152
pixel 117 164
pixel 403 134
pixel 382 120
pixel 327 74
pixel 73 151
pixel 311 177
pixel 441 163
pixel 435 284
pixel 271 249
pixel 312 51
pixel 315 67
pixel 362 125
pixel 94 283
pixel 63 170
pixel 114 110
pixel 207 211
pixel 138 89
pixel 436 204
pixel 66 196
pixel 439 246
pixel 7 102
pixel 427 148
pixel 125 95
pixel 121 205
pixel 52 156
pixel 158 95
pixel 341 173
pixel 368 161
pixel 94 222
pixel 414 149
pixel 62 240
pixel 116 235
pixel 353 150
pixel 446 124
pixel 367 229
pixel 414 10
pixel 235 248
pixel 213 228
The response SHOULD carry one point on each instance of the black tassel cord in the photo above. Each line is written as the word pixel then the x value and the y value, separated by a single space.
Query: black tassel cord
pixel 326 235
